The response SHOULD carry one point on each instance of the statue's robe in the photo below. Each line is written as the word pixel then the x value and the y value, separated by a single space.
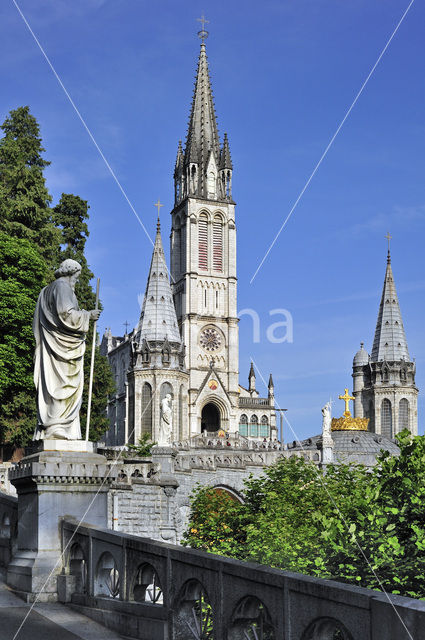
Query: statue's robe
pixel 60 329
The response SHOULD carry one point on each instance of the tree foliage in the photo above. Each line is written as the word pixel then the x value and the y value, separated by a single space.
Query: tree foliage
pixel 349 523
pixel 34 238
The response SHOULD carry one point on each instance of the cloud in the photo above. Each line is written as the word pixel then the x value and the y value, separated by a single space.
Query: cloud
pixel 400 216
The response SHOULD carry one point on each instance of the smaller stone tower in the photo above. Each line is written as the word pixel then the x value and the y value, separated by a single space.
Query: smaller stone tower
pixel 384 382
pixel 157 357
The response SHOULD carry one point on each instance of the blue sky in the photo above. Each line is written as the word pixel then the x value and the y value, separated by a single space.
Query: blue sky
pixel 284 74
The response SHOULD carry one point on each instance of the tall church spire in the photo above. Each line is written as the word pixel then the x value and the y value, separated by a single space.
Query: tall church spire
pixel 158 320
pixel 390 340
pixel 202 122
pixel 204 168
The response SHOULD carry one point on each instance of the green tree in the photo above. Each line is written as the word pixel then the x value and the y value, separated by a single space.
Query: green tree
pixel 22 273
pixel 71 216
pixel 357 525
pixel 24 198
pixel 28 244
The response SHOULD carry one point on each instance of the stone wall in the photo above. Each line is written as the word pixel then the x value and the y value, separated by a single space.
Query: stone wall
pixel 153 591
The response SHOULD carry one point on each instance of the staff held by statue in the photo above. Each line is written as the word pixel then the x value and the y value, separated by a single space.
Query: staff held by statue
pixel 93 350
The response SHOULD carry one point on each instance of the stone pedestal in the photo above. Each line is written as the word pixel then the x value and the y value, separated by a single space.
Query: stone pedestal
pixel 61 478
pixel 164 457
pixel 327 446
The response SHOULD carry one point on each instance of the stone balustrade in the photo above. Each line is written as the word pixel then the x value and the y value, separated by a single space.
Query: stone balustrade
pixel 151 590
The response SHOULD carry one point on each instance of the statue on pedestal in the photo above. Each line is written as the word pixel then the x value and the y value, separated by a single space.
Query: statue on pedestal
pixel 60 328
pixel 166 422
pixel 326 421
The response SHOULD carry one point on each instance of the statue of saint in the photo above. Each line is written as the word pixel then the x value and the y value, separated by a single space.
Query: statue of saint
pixel 60 328
pixel 166 424
pixel 326 422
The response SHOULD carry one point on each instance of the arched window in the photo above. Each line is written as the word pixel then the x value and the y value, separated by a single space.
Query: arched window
pixel 146 408
pixel 403 414
pixel 203 242
pixel 217 244
pixel 181 412
pixel 253 428
pixel 130 426
pixel 371 416
pixel 243 425
pixel 264 427
pixel 386 419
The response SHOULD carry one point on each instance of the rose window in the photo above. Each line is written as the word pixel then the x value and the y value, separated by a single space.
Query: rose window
pixel 210 340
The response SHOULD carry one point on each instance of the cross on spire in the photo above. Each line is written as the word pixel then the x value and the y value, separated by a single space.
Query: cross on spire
pixel 346 397
pixel 203 34
pixel 126 324
pixel 389 238
pixel 158 205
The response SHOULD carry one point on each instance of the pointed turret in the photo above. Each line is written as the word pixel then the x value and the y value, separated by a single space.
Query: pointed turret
pixel 251 379
pixel 390 342
pixel 225 157
pixel 158 320
pixel 179 160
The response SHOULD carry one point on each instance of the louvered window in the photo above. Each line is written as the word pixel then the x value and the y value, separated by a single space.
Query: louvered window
pixel 203 244
pixel 217 246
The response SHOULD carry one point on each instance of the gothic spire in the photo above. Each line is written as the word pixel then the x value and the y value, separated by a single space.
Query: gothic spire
pixel 158 320
pixel 202 129
pixel 390 340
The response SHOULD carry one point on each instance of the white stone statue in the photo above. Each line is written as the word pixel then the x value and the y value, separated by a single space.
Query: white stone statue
pixel 60 328
pixel 326 422
pixel 166 422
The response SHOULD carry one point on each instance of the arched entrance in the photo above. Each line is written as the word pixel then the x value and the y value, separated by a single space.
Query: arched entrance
pixel 210 418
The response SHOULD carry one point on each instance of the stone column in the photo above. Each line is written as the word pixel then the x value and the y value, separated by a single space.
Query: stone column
pixel 58 478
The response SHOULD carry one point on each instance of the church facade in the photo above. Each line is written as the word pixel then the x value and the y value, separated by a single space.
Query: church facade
pixel 186 343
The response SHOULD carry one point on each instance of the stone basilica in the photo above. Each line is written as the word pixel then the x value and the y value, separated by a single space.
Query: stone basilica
pixel 186 342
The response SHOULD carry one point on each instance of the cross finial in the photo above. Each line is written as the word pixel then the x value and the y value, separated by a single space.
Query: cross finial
pixel 126 326
pixel 203 34
pixel 158 205
pixel 389 238
pixel 346 397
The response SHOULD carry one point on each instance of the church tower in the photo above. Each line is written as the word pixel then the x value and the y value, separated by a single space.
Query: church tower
pixel 203 262
pixel 384 382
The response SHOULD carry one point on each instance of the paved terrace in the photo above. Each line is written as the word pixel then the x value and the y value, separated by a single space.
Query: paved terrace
pixel 46 621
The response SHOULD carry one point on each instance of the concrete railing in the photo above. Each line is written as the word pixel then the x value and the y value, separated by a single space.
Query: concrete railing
pixel 8 527
pixel 151 590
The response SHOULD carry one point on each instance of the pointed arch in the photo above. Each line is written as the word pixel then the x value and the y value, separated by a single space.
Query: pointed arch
pixel 203 242
pixel 146 417
pixel 403 414
pixel 218 243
